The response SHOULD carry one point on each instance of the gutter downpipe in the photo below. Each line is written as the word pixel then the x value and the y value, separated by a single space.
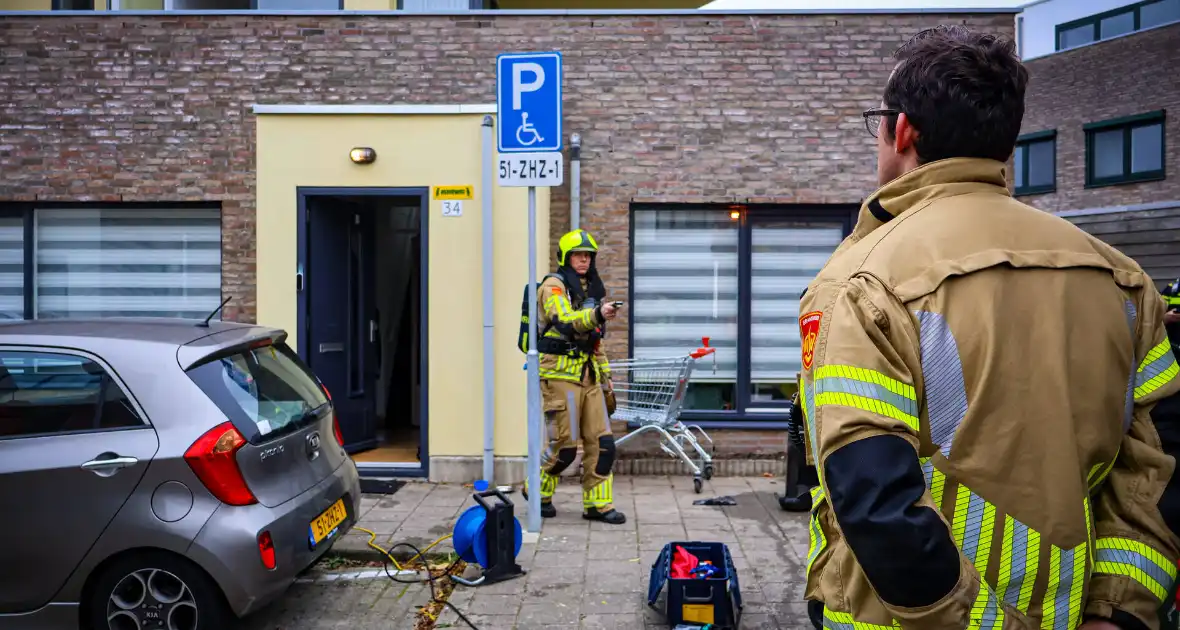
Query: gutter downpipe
pixel 489 363
pixel 575 180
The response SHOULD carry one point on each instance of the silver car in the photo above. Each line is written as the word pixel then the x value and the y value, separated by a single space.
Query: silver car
pixel 161 473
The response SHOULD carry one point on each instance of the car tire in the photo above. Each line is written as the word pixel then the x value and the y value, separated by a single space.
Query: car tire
pixel 156 588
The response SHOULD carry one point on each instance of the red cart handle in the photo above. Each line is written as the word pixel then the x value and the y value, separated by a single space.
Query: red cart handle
pixel 705 350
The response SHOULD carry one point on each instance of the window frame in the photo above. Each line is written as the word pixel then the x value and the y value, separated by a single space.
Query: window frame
pixel 484 5
pixel 169 5
pixel 56 5
pixel 27 210
pixel 1094 21
pixel 1127 124
pixel 107 369
pixel 767 415
pixel 1025 140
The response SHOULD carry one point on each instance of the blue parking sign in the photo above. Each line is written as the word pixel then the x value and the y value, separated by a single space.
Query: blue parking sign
pixel 528 102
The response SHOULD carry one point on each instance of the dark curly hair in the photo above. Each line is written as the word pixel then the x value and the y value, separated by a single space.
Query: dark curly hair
pixel 963 91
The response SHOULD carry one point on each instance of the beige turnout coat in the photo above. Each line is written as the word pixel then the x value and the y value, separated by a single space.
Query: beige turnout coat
pixel 977 381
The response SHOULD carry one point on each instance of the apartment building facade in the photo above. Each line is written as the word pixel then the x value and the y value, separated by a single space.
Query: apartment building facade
pixel 342 5
pixel 154 165
pixel 1100 143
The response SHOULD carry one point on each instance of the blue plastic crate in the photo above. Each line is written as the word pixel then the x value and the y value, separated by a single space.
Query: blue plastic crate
pixel 715 600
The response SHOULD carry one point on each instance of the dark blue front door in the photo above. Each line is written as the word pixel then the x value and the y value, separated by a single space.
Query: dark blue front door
pixel 341 322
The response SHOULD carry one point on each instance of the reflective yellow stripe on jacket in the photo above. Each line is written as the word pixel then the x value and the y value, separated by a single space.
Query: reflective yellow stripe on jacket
pixel 566 313
pixel 973 519
pixel 1020 551
pixel 1123 556
pixel 867 390
pixel 816 539
pixel 1156 370
pixel 562 367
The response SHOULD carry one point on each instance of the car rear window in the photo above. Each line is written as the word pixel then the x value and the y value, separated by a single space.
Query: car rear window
pixel 265 391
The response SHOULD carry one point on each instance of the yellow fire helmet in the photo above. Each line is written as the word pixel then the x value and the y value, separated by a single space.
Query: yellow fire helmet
pixel 575 241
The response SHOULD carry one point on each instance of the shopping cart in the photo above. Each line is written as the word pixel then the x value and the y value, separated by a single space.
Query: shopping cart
pixel 648 397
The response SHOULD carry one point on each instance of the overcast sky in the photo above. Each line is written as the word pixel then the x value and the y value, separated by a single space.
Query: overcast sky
pixel 863 4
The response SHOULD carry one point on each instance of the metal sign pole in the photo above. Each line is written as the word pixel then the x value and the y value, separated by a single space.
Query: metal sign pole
pixel 534 376
pixel 528 111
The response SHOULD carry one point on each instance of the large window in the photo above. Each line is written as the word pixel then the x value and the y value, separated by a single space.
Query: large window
pixel 734 275
pixel 126 261
pixel 1125 150
pixel 1034 163
pixel 1128 19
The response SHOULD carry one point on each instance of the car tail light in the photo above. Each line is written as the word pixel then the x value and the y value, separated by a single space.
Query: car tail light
pixel 213 457
pixel 266 550
pixel 335 421
pixel 336 429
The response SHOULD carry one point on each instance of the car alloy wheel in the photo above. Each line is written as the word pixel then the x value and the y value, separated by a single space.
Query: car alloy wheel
pixel 150 599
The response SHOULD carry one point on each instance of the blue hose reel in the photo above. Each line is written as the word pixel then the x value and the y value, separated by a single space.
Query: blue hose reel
pixel 490 536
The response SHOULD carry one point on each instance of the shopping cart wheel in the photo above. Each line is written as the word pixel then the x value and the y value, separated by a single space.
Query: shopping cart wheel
pixel 708 471
pixel 697 484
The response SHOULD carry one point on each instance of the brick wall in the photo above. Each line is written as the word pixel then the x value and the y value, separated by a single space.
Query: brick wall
pixel 1135 74
pixel 1119 77
pixel 670 108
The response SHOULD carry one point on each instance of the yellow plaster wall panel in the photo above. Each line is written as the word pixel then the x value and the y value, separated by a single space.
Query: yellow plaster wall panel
pixel 413 151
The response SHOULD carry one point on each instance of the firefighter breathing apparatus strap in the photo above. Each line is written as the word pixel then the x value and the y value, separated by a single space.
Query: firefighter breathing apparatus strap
pixel 565 346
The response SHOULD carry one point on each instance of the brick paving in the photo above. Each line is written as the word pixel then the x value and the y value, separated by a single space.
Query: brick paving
pixel 580 574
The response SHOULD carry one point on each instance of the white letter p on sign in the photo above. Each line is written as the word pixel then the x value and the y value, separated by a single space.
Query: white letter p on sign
pixel 519 88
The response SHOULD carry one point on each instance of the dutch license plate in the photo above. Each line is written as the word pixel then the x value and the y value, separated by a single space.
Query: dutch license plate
pixel 325 523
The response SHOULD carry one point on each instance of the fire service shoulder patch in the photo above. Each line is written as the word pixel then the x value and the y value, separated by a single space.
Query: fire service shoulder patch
pixel 809 335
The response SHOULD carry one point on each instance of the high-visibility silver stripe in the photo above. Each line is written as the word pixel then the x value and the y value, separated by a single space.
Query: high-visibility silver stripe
pixel 1137 560
pixel 575 429
pixel 942 373
pixel 874 391
pixel 1154 369
pixel 1129 405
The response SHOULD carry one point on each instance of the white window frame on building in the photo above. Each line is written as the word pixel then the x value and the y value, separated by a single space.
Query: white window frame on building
pixel 99 260
pixel 1116 22
pixel 1129 131
pixel 1022 162
pixel 733 273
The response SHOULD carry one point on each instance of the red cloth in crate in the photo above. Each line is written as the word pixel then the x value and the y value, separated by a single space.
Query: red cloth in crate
pixel 683 563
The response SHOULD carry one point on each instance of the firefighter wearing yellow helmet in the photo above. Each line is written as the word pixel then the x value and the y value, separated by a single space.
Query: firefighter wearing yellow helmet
pixel 574 373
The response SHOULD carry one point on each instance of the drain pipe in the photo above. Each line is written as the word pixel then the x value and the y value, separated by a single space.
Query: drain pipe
pixel 575 180
pixel 489 363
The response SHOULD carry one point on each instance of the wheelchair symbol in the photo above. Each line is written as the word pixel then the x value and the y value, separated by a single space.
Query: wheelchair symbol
pixel 525 130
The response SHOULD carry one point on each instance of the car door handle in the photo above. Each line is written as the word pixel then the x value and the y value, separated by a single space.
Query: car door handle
pixel 110 465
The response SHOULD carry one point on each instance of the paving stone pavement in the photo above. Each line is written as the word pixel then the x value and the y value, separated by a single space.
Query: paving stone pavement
pixel 581 574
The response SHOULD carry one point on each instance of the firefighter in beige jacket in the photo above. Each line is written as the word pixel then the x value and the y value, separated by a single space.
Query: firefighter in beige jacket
pixel 977 381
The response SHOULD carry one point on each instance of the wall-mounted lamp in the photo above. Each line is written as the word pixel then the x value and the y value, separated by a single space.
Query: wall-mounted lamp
pixel 735 212
pixel 362 155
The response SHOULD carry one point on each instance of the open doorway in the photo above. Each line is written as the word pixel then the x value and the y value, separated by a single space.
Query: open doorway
pixel 362 318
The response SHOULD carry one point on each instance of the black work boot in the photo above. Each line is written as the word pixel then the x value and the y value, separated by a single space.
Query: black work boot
pixel 610 517
pixel 800 503
pixel 547 509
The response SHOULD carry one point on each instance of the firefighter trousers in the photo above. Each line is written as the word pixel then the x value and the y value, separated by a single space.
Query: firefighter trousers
pixel 573 411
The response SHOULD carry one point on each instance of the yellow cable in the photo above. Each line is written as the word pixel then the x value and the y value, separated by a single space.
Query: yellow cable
pixel 373 536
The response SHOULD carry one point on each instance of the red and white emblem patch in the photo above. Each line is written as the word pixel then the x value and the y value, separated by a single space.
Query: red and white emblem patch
pixel 809 335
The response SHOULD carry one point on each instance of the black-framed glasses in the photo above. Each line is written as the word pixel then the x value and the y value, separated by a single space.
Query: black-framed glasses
pixel 873 119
